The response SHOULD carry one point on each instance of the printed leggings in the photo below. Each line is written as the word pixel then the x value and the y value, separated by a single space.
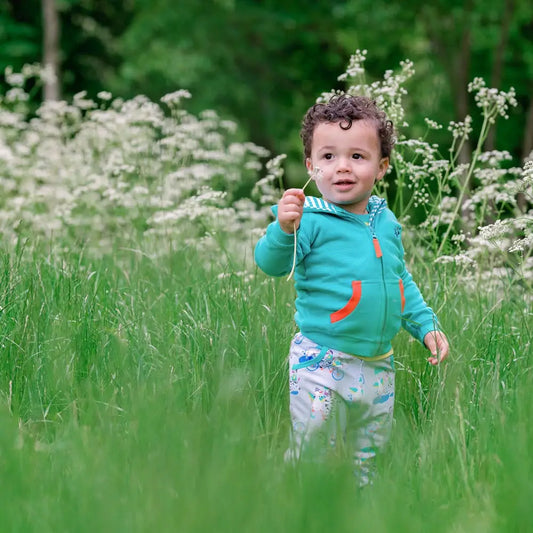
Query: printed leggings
pixel 338 401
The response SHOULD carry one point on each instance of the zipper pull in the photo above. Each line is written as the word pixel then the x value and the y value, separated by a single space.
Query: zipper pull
pixel 377 247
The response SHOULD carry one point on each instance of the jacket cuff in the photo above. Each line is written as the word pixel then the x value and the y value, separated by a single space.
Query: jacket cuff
pixel 278 236
pixel 426 328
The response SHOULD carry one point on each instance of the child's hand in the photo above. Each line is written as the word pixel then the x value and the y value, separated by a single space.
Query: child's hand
pixel 290 209
pixel 437 343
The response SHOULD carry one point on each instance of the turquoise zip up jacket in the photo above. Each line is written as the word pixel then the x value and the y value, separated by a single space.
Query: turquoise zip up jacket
pixel 353 289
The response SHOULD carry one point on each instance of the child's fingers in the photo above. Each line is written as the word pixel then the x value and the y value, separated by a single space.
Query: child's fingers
pixel 437 344
pixel 290 219
pixel 434 360
pixel 290 215
pixel 291 206
pixel 290 209
pixel 296 194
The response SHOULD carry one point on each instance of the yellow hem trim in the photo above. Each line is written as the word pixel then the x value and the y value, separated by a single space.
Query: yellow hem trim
pixel 376 358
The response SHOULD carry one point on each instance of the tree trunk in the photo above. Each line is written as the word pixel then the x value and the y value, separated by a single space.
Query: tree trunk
pixel 460 84
pixel 527 145
pixel 456 60
pixel 51 31
pixel 497 66
pixel 457 65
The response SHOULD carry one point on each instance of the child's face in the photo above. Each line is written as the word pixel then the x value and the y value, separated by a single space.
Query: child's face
pixel 350 163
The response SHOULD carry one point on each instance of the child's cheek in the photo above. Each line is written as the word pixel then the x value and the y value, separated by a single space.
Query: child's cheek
pixel 320 186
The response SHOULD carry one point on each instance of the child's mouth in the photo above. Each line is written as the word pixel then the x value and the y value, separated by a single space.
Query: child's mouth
pixel 344 184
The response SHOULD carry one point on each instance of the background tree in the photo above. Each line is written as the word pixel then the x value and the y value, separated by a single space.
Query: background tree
pixel 19 34
pixel 87 46
pixel 263 63
pixel 51 50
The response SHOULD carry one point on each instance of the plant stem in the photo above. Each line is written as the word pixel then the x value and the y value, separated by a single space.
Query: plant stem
pixel 295 238
pixel 464 188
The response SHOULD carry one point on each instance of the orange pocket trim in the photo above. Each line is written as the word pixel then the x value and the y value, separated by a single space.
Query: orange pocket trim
pixel 350 306
pixel 402 294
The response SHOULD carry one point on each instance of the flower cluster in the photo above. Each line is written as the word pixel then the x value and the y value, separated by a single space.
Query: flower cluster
pixel 461 130
pixel 355 67
pixel 98 171
pixel 490 100
pixel 388 93
pixel 266 190
pixel 474 212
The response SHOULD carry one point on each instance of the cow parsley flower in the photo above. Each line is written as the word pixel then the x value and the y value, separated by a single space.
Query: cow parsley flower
pixel 461 130
pixel 174 99
pixel 491 100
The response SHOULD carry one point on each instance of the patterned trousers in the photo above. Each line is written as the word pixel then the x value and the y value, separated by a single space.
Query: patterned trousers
pixel 339 402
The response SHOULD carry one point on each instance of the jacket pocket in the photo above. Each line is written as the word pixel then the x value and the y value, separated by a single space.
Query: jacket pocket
pixel 350 306
pixel 402 294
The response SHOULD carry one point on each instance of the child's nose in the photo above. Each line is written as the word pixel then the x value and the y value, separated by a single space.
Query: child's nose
pixel 343 164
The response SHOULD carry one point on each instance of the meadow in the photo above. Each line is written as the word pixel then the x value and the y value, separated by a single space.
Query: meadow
pixel 143 372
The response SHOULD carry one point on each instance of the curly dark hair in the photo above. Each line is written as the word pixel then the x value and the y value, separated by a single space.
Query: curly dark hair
pixel 344 109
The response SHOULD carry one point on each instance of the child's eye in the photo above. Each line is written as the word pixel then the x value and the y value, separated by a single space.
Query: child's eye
pixel 328 156
pixel 357 156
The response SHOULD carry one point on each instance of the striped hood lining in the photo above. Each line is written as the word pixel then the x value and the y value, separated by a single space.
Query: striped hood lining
pixel 313 204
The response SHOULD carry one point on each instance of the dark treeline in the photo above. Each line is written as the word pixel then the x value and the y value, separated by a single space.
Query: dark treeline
pixel 262 63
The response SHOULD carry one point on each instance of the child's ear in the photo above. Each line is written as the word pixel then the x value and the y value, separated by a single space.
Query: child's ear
pixel 309 165
pixel 383 166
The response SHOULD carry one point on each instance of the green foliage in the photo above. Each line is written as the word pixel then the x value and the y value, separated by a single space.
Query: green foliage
pixel 90 30
pixel 142 394
pixel 18 41
pixel 143 370
pixel 293 50
pixel 262 64
pixel 247 60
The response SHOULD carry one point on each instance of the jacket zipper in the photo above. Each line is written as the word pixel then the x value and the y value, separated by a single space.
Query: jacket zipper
pixel 379 255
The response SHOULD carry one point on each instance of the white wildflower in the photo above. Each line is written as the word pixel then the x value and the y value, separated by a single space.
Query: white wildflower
pixel 491 100
pixel 32 70
pixel 523 245
pixel 432 125
pixel 355 66
pixel 81 101
pixel 15 79
pixel 494 157
pixel 104 95
pixel 462 260
pixel 173 99
pixel 461 130
pixel 16 94
pixel 527 175
pixel 494 231
pixel 228 125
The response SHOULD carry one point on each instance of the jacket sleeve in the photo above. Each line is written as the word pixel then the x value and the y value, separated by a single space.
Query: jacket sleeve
pixel 418 318
pixel 274 252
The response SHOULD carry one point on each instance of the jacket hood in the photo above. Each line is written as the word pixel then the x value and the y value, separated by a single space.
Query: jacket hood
pixel 318 205
pixel 313 204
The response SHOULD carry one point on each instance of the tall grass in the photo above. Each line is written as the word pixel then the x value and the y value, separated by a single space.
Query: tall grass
pixel 143 375
pixel 143 394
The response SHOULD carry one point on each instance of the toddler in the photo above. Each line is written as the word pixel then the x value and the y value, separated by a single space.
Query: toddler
pixel 353 289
